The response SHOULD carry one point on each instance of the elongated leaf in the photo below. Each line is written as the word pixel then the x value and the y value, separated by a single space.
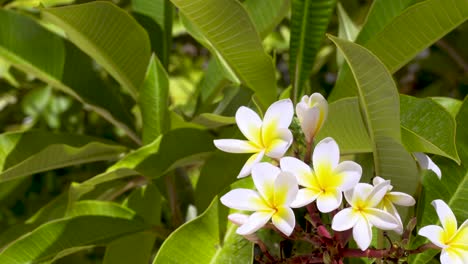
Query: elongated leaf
pixel 265 15
pixel 402 38
pixel 451 105
pixel 31 152
pixel 107 33
pixel 203 243
pixel 72 74
pixel 176 148
pixel 379 104
pixel 427 127
pixel 104 222
pixel 161 12
pixel 346 29
pixel 154 101
pixel 309 22
pixel 462 132
pixel 215 177
pixel 344 124
pixel 228 28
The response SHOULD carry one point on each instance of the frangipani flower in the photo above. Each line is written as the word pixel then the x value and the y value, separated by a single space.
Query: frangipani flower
pixel 312 112
pixel 427 164
pixel 270 137
pixel 391 198
pixel 363 214
pixel 276 191
pixel 453 241
pixel 329 178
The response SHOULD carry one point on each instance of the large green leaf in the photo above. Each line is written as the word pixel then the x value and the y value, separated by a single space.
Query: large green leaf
pixel 215 176
pixel 176 148
pixel 226 25
pixel 427 127
pixel 137 248
pixel 72 73
pixel 411 31
pixel 201 241
pixel 108 34
pixel 344 124
pixel 309 22
pixel 26 153
pixel 462 132
pixel 379 105
pixel 265 15
pixel 154 101
pixel 97 222
pixel 161 13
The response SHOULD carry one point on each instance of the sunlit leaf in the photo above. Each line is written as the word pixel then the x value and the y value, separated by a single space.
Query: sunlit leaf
pixel 203 242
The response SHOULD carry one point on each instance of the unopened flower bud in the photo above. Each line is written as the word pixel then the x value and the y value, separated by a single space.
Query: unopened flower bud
pixel 312 112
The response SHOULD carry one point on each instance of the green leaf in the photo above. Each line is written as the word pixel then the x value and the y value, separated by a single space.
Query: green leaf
pixel 309 22
pixel 137 248
pixel 228 28
pixel 213 120
pixel 201 241
pixel 462 132
pixel 344 124
pixel 26 153
pixel 403 37
pixel 427 127
pixel 451 105
pixel 154 102
pixel 346 29
pixel 215 176
pixel 72 73
pixel 107 33
pixel 155 159
pixel 100 223
pixel 379 105
pixel 161 12
pixel 266 15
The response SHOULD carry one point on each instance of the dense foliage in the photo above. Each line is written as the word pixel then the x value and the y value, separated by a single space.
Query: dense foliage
pixel 114 113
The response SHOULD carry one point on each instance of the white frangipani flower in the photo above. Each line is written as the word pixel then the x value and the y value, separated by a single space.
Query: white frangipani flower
pixel 312 112
pixel 452 241
pixel 363 214
pixel 391 198
pixel 270 137
pixel 328 179
pixel 276 191
pixel 427 164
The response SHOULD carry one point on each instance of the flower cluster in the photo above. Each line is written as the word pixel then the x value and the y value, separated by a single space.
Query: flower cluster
pixel 292 183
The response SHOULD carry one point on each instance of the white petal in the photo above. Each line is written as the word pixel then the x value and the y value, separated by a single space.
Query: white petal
pixel 390 208
pixel 426 163
pixel 244 199
pixel 381 219
pixel 256 221
pixel 329 201
pixel 446 216
pixel 451 257
pixel 362 234
pixel 360 192
pixel 299 169
pixel 238 219
pixel 254 159
pixel 309 119
pixel 377 194
pixel 279 114
pixel 326 153
pixel 344 220
pixel 304 197
pixel 351 173
pixel 264 175
pixel 377 180
pixel 235 146
pixel 284 220
pixel 434 233
pixel 249 124
pixel 278 146
pixel 286 189
pixel 402 199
